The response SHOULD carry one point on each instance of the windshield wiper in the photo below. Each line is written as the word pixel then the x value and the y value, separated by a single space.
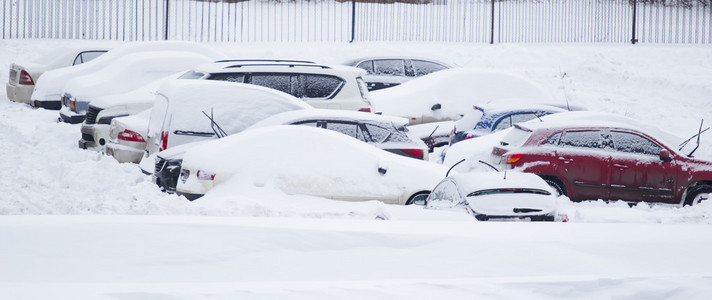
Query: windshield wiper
pixel 698 139
pixel 219 132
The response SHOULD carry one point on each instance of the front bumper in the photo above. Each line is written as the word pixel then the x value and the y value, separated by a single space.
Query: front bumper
pixel 94 137
pixel 19 93
pixel 68 116
pixel 166 174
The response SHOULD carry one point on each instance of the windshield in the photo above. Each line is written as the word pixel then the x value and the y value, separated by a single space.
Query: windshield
pixel 158 115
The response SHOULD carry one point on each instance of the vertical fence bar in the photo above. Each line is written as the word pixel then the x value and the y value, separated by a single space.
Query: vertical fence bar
pixel 633 39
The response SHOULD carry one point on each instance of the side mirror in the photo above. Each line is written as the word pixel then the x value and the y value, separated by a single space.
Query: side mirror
pixel 436 107
pixel 665 155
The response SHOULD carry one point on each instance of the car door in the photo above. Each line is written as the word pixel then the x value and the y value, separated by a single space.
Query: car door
pixel 583 162
pixel 637 172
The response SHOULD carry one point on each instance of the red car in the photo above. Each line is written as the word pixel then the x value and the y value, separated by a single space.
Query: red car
pixel 589 156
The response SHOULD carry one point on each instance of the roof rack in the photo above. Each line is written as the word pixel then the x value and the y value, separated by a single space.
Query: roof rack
pixel 283 65
pixel 266 60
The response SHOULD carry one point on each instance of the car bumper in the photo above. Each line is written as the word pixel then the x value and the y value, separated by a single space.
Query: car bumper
pixel 94 137
pixel 47 104
pixel 126 153
pixel 19 93
pixel 68 116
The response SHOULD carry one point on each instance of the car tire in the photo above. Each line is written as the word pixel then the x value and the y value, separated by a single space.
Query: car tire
pixel 422 195
pixel 557 184
pixel 693 195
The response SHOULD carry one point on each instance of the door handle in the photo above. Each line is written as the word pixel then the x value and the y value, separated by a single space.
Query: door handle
pixel 565 159
pixel 620 166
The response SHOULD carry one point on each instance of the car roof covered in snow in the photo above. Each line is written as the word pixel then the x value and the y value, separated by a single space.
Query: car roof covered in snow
pixel 477 181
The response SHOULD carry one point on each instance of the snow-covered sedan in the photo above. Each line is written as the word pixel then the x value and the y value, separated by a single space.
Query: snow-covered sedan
pixel 48 89
pixel 122 75
pixel 23 75
pixel 496 196
pixel 448 94
pixel 127 137
pixel 308 161
pixel 385 132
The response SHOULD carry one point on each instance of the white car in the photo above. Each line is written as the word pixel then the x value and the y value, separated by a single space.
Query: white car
pixel 321 86
pixel 448 94
pixel 193 110
pixel 127 137
pixel 97 125
pixel 496 196
pixel 384 132
pixel 23 76
pixel 48 89
pixel 308 161
pixel 123 74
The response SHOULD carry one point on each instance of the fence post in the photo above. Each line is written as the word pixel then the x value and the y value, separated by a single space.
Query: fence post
pixel 353 21
pixel 492 26
pixel 634 40
pixel 165 29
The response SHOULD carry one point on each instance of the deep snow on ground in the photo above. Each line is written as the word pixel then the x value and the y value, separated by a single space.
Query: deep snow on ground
pixel 263 244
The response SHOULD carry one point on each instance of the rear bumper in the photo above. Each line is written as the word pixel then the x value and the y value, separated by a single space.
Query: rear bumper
pixel 94 137
pixel 69 116
pixel 19 93
pixel 125 153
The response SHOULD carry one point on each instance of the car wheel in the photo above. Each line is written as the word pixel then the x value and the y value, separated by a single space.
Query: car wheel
pixel 557 184
pixel 418 198
pixel 698 193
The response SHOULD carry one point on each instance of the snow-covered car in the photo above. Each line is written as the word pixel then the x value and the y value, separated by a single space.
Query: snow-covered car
pixel 308 161
pixel 23 75
pixel 122 75
pixel 385 72
pixel 101 111
pixel 385 132
pixel 49 88
pixel 496 196
pixel 321 86
pixel 193 110
pixel 433 134
pixel 449 94
pixel 127 137
pixel 483 120
pixel 590 156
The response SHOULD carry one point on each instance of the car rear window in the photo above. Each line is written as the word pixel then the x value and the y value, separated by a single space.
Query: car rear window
pixel 516 137
pixel 321 86
pixel 469 120
pixel 232 77
pixel 508 191
pixel 426 67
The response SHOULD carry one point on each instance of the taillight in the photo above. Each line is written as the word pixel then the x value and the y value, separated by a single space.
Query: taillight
pixel 63 100
pixel 131 136
pixel 25 78
pixel 417 153
pixel 468 136
pixel 164 141
pixel 365 109
pixel 72 104
pixel 512 158
pixel 203 175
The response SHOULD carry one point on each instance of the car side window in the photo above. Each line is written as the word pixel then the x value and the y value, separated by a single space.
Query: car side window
pixel 517 118
pixel 373 133
pixel 633 143
pixel 366 65
pixel 311 123
pixel 553 139
pixel 231 77
pixel 503 123
pixel 347 128
pixel 280 82
pixel 581 139
pixel 321 86
pixel 86 56
pixel 392 67
pixel 445 195
pixel 426 67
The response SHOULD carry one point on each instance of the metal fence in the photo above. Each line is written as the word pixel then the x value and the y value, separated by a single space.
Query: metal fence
pixel 470 21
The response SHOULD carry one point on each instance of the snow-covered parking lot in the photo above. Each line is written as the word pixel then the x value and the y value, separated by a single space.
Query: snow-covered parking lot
pixel 76 224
